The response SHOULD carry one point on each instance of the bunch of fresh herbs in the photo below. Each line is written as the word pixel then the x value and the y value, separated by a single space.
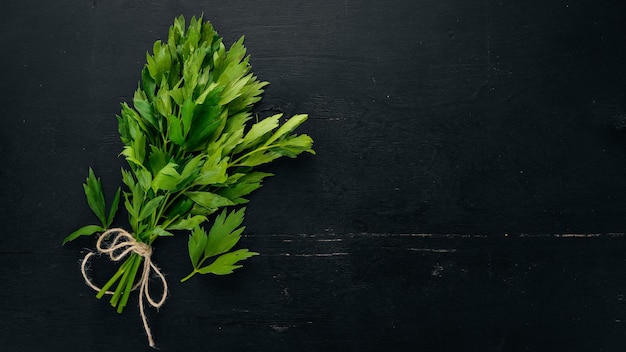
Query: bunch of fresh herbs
pixel 192 146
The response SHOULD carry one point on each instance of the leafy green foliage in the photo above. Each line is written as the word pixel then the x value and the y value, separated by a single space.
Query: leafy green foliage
pixel 95 199
pixel 223 236
pixel 192 146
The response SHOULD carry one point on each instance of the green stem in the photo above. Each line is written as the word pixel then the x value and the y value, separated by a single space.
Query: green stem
pixel 112 280
pixel 129 283
pixel 189 276
pixel 236 161
pixel 121 284
pixel 195 270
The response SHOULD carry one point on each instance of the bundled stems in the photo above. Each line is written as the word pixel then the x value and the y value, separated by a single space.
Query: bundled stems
pixel 128 272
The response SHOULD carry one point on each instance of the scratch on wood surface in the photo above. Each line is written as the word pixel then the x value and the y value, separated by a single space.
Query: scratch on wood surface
pixel 315 254
pixel 333 237
pixel 501 235
pixel 432 250
pixel 581 235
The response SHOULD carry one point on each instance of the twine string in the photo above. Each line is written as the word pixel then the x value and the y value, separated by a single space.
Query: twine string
pixel 122 245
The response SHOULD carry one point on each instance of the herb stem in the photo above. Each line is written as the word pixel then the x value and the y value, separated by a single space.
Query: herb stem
pixel 129 282
pixel 235 163
pixel 189 276
pixel 112 280
pixel 121 284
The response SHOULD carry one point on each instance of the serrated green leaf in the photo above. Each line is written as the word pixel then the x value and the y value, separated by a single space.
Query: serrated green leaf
pixel 175 130
pixel 149 208
pixel 294 145
pixel 226 143
pixel 128 204
pixel 135 122
pixel 159 231
pixel 129 154
pixel 224 233
pixel 213 171
pixel 84 231
pixel 234 90
pixel 178 95
pixel 95 196
pixel 287 128
pixel 192 167
pixel 114 207
pixel 136 151
pixel 197 209
pixel 128 179
pixel 167 179
pixel 143 106
pixel 148 84
pixel 208 200
pixel 258 131
pixel 188 223
pixel 180 208
pixel 243 186
pixel 259 158
pixel 153 68
pixel 144 178
pixel 157 159
pixel 196 244
pixel 207 118
pixel 186 112
pixel 163 101
pixel 227 262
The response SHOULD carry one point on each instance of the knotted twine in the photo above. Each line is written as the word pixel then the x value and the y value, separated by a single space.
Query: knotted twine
pixel 122 245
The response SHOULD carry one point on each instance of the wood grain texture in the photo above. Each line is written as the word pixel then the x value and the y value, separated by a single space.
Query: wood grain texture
pixel 497 122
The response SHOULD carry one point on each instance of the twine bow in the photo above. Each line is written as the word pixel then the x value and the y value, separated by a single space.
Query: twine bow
pixel 122 245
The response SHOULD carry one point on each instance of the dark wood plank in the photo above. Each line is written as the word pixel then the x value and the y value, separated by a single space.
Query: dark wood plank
pixel 472 118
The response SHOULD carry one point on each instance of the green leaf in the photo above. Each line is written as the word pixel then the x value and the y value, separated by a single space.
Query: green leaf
pixel 95 196
pixel 208 200
pixel 114 206
pixel 144 178
pixel 226 143
pixel 295 145
pixel 196 245
pixel 157 159
pixel 192 169
pixel 163 101
pixel 224 233
pixel 257 131
pixel 149 208
pixel 243 186
pixel 188 223
pixel 197 209
pixel 187 115
pixel 167 179
pixel 178 95
pixel 159 231
pixel 148 84
pixel 84 231
pixel 128 179
pixel 140 102
pixel 226 263
pixel 180 208
pixel 287 127
pixel 175 130
pixel 213 171
pixel 207 119
pixel 259 158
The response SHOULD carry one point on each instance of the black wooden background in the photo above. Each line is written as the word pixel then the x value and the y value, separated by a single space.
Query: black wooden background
pixel 468 193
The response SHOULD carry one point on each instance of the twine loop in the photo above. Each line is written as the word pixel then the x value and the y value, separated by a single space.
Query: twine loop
pixel 122 245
